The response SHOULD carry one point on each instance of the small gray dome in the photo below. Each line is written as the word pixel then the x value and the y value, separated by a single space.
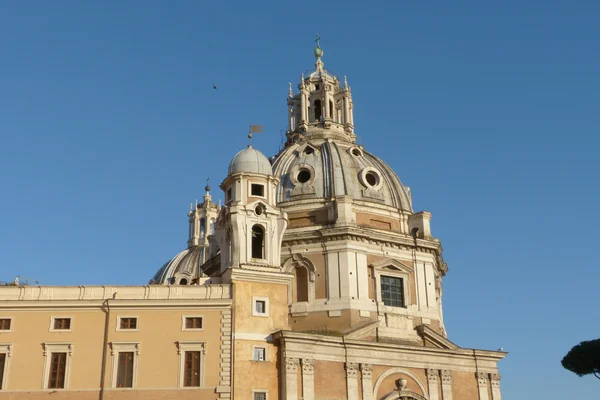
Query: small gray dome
pixel 250 160
pixel 184 266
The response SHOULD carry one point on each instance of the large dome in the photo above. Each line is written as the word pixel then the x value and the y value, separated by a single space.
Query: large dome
pixel 250 160
pixel 182 268
pixel 325 169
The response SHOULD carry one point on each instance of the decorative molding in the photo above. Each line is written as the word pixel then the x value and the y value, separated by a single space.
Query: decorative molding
pixel 7 348
pixel 398 370
pixel 291 365
pixel 308 366
pixel 482 378
pixel 183 345
pixel 366 371
pixel 446 377
pixel 50 346
pixel 351 370
pixel 433 374
pixel 495 380
pixel 117 294
pixel 120 346
pixel 435 338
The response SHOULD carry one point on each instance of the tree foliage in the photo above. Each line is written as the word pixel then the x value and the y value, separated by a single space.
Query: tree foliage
pixel 584 358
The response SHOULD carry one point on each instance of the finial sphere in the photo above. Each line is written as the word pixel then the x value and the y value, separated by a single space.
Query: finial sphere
pixel 207 188
pixel 318 52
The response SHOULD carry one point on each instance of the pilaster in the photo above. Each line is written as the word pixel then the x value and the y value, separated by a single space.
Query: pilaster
pixel 495 381
pixel 433 383
pixel 290 383
pixel 352 381
pixel 446 384
pixel 482 385
pixel 308 379
pixel 366 374
pixel 224 388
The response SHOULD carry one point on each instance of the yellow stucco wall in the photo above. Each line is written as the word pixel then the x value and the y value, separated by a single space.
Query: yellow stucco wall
pixel 249 329
pixel 464 386
pixel 157 333
pixel 330 380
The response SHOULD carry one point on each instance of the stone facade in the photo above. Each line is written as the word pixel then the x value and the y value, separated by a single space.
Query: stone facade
pixel 314 280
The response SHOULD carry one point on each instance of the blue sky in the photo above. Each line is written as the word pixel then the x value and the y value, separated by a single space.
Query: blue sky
pixel 109 127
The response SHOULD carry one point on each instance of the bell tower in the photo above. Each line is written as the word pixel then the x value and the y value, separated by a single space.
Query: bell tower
pixel 202 219
pixel 250 225
pixel 250 230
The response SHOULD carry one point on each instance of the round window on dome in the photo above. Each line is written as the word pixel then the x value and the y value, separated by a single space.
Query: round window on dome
pixel 308 151
pixel 356 152
pixel 372 178
pixel 303 176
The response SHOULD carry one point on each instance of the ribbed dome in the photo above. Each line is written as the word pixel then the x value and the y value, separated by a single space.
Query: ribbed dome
pixel 183 266
pixel 325 169
pixel 250 160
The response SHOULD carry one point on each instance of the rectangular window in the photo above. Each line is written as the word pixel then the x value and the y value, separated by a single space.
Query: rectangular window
pixel 260 395
pixel 257 190
pixel 125 369
pixel 259 354
pixel 261 306
pixel 392 291
pixel 58 365
pixel 2 366
pixel 62 323
pixel 192 369
pixel 228 198
pixel 5 324
pixel 128 323
pixel 193 323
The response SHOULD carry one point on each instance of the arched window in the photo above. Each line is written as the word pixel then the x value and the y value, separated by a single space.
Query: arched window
pixel 183 281
pixel 301 283
pixel 318 110
pixel 258 242
pixel 202 226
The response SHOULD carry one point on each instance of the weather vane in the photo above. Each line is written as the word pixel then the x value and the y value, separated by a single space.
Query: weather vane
pixel 317 40
pixel 255 129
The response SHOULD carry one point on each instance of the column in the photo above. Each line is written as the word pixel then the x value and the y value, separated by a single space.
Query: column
pixel 366 373
pixel 495 381
pixel 304 106
pixel 482 385
pixel 308 379
pixel 432 379
pixel 351 381
pixel 326 100
pixel 346 109
pixel 291 378
pixel 446 384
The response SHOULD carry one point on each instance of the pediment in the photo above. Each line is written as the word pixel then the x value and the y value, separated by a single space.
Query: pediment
pixel 391 265
pixel 307 149
pixel 434 338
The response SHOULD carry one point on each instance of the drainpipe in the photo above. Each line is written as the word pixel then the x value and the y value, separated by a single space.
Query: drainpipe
pixel 106 310
pixel 232 368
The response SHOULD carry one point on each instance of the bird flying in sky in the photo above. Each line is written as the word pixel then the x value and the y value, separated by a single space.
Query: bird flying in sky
pixel 214 86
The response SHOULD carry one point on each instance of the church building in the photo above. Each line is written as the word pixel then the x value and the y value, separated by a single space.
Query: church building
pixel 314 280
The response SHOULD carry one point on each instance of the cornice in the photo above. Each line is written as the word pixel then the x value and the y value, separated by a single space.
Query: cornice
pixel 340 342
pixel 365 235
pixel 44 305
